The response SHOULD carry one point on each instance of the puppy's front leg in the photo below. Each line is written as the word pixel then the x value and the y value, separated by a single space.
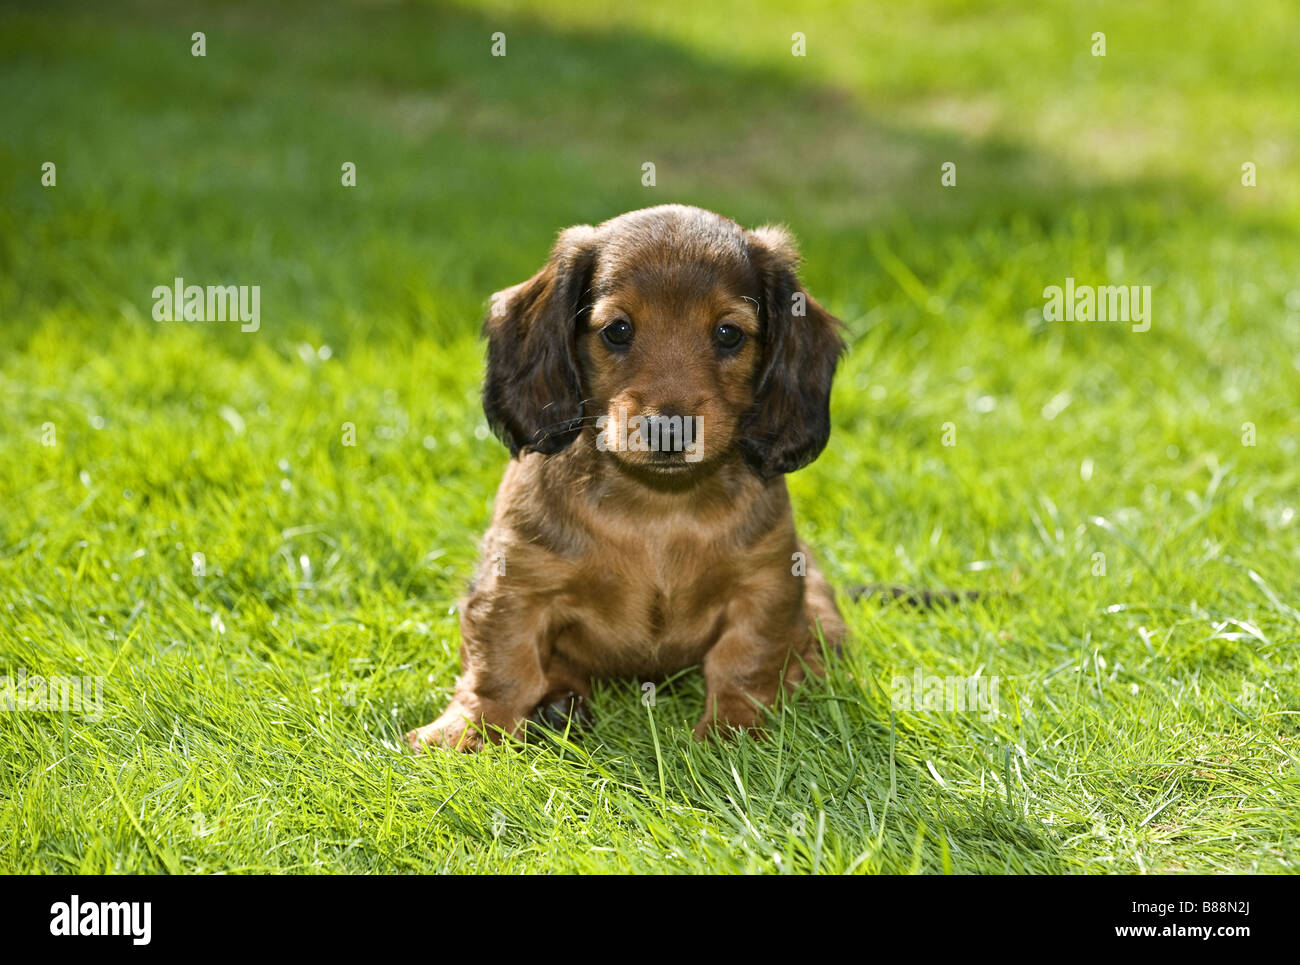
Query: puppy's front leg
pixel 745 669
pixel 502 678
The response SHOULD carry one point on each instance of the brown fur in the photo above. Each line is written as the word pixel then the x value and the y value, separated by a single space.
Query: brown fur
pixel 626 563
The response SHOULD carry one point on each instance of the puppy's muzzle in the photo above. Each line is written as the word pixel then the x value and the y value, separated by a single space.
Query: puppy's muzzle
pixel 675 432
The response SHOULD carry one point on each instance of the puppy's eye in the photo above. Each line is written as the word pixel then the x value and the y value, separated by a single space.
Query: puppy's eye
pixel 728 336
pixel 617 334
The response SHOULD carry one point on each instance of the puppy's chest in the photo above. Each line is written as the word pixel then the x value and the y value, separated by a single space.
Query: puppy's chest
pixel 655 591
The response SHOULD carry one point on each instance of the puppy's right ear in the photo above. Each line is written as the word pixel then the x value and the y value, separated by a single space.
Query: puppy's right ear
pixel 532 393
pixel 791 419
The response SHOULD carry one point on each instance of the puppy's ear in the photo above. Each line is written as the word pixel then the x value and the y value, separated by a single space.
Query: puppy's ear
pixel 532 392
pixel 790 421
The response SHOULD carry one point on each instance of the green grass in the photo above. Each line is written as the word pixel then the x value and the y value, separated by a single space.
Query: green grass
pixel 254 705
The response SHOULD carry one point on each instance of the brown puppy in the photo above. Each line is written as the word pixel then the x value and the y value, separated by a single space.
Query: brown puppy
pixel 654 382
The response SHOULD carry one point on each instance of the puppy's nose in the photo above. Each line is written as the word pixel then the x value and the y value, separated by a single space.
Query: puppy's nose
pixel 671 423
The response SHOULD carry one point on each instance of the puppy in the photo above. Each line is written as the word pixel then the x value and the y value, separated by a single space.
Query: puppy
pixel 654 382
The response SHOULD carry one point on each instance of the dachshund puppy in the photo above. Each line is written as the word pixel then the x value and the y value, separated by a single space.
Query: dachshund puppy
pixel 654 382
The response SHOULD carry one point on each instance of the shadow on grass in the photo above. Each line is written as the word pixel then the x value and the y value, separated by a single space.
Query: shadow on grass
pixel 226 168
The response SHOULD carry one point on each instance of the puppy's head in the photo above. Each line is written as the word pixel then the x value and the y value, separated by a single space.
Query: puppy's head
pixel 679 336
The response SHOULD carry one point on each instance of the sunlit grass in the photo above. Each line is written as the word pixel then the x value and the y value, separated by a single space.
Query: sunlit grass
pixel 1139 561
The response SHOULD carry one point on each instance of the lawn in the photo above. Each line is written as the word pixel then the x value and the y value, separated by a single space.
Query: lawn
pixel 271 607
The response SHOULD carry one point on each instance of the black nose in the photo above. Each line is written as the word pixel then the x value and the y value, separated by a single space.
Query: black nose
pixel 671 429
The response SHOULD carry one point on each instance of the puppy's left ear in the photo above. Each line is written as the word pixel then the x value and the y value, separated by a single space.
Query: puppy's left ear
pixel 790 421
pixel 532 393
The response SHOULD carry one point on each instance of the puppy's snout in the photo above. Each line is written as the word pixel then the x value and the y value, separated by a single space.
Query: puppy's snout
pixel 674 429
pixel 669 423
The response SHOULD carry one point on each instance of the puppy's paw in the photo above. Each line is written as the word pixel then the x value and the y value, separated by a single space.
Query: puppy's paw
pixel 558 711
pixel 727 715
pixel 453 731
